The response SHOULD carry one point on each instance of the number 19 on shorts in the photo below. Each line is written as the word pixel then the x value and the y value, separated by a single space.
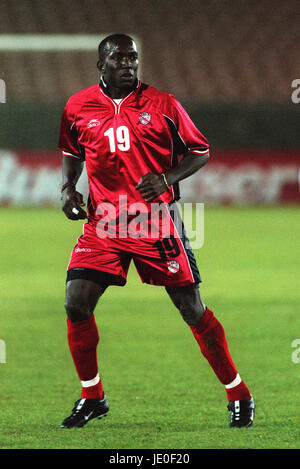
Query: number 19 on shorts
pixel 118 138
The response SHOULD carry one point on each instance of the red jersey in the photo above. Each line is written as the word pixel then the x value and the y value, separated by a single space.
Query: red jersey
pixel 122 140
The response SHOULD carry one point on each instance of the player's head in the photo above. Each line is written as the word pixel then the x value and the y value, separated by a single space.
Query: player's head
pixel 118 60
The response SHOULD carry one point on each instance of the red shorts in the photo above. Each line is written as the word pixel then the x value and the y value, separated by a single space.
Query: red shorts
pixel 166 261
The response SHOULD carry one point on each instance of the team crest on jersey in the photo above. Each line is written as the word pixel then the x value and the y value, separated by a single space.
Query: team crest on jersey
pixel 145 117
pixel 173 266
pixel 93 123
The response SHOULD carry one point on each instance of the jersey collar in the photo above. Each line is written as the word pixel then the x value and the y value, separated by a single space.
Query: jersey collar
pixel 103 86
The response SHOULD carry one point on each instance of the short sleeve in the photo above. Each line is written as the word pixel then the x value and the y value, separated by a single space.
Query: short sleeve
pixel 68 136
pixel 189 137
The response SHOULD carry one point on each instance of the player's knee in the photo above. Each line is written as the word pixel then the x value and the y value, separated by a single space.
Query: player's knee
pixel 77 311
pixel 192 313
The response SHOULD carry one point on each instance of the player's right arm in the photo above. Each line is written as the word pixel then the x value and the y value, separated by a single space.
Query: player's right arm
pixel 72 201
pixel 72 165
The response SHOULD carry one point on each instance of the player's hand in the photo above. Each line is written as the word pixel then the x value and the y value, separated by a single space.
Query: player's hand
pixel 72 201
pixel 151 186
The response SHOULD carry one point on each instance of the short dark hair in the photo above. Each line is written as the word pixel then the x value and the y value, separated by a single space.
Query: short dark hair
pixel 112 38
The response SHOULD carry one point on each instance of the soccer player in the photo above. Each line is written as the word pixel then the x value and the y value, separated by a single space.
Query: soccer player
pixel 138 143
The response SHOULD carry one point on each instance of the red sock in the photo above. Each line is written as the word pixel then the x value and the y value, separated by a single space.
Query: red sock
pixel 83 339
pixel 238 393
pixel 92 392
pixel 211 339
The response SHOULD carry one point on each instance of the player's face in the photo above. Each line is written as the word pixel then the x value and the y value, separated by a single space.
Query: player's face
pixel 120 65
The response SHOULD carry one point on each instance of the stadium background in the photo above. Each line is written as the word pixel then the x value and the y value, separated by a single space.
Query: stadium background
pixel 232 65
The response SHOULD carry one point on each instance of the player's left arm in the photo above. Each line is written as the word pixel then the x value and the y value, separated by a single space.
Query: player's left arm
pixel 152 185
pixel 188 141
pixel 189 165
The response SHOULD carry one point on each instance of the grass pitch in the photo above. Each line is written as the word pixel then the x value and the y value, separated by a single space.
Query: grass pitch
pixel 161 391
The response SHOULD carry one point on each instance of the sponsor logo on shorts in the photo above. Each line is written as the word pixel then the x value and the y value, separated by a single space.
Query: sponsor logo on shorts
pixel 83 250
pixel 173 266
